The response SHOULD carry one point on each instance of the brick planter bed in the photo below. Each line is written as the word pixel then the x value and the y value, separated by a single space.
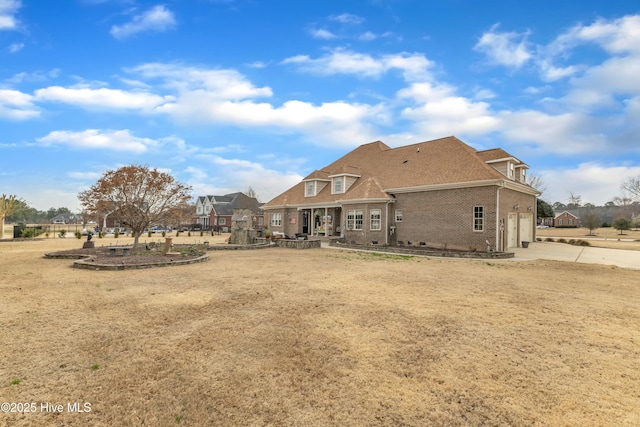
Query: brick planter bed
pixel 416 250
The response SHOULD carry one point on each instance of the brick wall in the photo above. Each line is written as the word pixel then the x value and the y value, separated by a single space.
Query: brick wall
pixel 445 218
pixel 366 235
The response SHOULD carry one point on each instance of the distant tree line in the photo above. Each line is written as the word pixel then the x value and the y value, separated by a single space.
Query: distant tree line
pixel 23 213
pixel 621 212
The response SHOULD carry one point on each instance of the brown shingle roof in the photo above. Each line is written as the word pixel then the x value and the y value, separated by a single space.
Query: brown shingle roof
pixel 441 161
pixel 495 154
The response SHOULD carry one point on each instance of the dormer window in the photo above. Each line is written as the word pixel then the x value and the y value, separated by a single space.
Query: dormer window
pixel 310 189
pixel 338 185
pixel 511 170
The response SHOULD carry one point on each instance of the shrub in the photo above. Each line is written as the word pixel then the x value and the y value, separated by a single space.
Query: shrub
pixel 572 241
pixel 549 239
pixel 189 234
pixel 116 234
pixel 62 233
pixel 177 233
pixel 164 234
pixel 583 243
pixel 201 233
pixel 561 240
pixel 28 233
pixel 149 233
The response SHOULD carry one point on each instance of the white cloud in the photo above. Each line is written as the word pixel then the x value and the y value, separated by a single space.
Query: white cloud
pixel 85 176
pixel 8 10
pixel 116 140
pixel 102 98
pixel 504 48
pixel 367 36
pixel 596 183
pixel 212 83
pixel 156 19
pixel 16 105
pixel 347 18
pixel 567 133
pixel 237 175
pixel 339 61
pixel 322 34
pixel 439 111
pixel 15 47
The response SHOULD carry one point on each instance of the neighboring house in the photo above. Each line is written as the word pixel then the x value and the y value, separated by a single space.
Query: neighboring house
pixel 548 221
pixel 215 212
pixel 67 219
pixel 442 193
pixel 566 219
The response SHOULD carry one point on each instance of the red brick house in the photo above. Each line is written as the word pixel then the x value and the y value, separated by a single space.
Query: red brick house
pixel 215 212
pixel 442 193
pixel 566 219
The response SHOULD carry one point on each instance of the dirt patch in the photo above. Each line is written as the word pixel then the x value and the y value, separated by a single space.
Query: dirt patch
pixel 319 337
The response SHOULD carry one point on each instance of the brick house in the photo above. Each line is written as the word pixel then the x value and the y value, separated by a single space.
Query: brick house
pixel 566 219
pixel 441 193
pixel 215 212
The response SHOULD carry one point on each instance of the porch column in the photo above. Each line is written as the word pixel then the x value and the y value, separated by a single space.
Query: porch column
pixel 326 228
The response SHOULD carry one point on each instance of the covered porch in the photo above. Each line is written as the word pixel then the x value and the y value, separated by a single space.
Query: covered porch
pixel 324 221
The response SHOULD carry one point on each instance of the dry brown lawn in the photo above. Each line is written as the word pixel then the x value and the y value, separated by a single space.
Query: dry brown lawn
pixel 281 337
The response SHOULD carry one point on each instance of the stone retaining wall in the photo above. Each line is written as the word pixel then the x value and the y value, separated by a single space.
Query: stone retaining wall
pixel 89 264
pixel 298 244
pixel 425 252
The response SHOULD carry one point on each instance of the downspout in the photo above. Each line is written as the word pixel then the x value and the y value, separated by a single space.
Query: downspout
pixel 386 224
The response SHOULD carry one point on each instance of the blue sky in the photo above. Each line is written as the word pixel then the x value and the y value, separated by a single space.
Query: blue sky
pixel 228 94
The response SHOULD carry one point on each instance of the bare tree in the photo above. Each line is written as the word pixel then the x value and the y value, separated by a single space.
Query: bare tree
pixel 575 200
pixel 536 182
pixel 252 193
pixel 623 202
pixel 8 205
pixel 632 186
pixel 591 220
pixel 137 196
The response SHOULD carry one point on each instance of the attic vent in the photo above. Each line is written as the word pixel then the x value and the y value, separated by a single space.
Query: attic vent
pixel 405 161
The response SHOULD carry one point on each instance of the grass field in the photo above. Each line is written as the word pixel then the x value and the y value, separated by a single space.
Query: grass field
pixel 318 337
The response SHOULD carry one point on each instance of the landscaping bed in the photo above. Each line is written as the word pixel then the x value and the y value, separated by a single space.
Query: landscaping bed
pixel 424 251
pixel 100 259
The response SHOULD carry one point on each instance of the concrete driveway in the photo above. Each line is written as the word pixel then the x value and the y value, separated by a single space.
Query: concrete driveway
pixel 581 254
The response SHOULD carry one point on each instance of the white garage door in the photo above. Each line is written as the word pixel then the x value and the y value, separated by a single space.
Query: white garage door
pixel 512 230
pixel 526 227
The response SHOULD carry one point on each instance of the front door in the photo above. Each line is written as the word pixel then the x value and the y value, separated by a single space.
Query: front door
pixel 305 222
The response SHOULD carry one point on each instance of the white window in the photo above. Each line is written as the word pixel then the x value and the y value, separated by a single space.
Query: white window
pixel 398 215
pixel 222 221
pixel 570 222
pixel 354 220
pixel 199 209
pixel 310 189
pixel 559 222
pixel 260 221
pixel 338 185
pixel 478 218
pixel 511 169
pixel 524 175
pixel 276 219
pixel 375 216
